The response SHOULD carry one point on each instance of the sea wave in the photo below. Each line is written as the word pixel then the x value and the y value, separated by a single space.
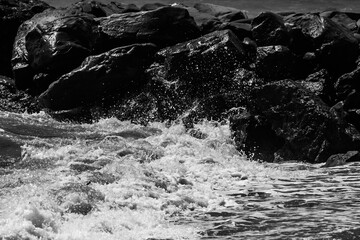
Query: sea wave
pixel 117 180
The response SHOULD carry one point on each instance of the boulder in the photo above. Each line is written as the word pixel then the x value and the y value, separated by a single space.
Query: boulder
pixel 50 44
pixel 199 17
pixel 342 19
pixel 342 158
pixel 320 83
pixel 269 29
pixel 285 121
pixel 234 16
pixel 336 48
pixel 13 100
pixel 164 26
pixel 241 30
pixel 346 86
pixel 189 75
pixel 275 63
pixel 12 14
pixel 100 79
pixel 100 9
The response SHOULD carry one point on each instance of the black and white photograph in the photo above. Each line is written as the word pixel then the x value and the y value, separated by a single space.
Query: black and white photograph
pixel 179 120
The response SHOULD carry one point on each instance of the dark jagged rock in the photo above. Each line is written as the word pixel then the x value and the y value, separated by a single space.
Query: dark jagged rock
pixel 101 79
pixel 241 30
pixel 342 19
pixel 50 44
pixel 199 17
pixel 275 63
pixel 234 16
pixel 100 9
pixel 342 158
pixel 13 100
pixel 320 83
pixel 285 121
pixel 165 26
pixel 190 74
pixel 346 87
pixel 336 48
pixel 269 29
pixel 12 15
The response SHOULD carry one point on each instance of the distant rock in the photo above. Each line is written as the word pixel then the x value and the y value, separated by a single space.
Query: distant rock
pixel 164 26
pixel 342 19
pixel 152 6
pixel 336 48
pixel 285 121
pixel 100 9
pixel 241 30
pixel 50 44
pixel 101 79
pixel 12 15
pixel 269 29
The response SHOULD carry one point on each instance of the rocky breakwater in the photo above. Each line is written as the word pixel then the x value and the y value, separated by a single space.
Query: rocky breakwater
pixel 286 81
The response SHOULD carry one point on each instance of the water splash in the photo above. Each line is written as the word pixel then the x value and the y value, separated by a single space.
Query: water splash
pixel 117 180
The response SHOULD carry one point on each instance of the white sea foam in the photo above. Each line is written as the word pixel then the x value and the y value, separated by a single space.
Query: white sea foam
pixel 152 182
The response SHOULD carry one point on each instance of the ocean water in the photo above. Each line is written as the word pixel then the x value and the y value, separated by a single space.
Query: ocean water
pixel 117 180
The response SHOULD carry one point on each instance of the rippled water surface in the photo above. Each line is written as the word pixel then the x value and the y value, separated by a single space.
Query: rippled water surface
pixel 117 180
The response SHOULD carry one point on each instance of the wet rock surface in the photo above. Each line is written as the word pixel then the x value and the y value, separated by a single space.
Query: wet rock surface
pixel 186 63
pixel 51 44
pixel 287 122
pixel 12 15
pixel 163 27
pixel 101 79
pixel 190 75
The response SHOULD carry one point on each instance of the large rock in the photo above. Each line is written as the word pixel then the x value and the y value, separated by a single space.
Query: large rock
pixel 101 79
pixel 348 84
pixel 50 44
pixel 343 19
pixel 269 29
pixel 164 26
pixel 276 63
pixel 241 30
pixel 189 75
pixel 12 14
pixel 336 48
pixel 100 9
pixel 285 121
